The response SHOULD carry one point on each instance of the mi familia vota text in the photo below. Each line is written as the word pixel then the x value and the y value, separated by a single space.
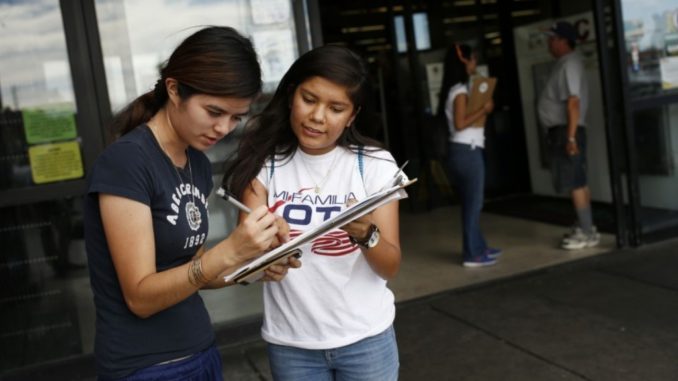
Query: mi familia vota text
pixel 300 206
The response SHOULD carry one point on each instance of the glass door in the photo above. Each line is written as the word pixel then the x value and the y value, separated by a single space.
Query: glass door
pixel 134 46
pixel 650 67
pixel 39 134
pixel 65 67
pixel 43 162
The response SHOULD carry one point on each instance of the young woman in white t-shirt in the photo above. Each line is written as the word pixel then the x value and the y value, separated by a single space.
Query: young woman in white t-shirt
pixel 465 160
pixel 304 158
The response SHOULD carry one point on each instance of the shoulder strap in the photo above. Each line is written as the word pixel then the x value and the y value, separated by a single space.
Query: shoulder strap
pixel 270 175
pixel 360 163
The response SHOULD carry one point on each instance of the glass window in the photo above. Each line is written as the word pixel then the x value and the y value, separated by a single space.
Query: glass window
pixel 657 146
pixel 651 34
pixel 134 46
pixel 422 37
pixel 401 39
pixel 38 134
pixel 41 267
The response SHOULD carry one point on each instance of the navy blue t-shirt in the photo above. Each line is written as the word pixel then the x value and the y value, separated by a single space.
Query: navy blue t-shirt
pixel 136 167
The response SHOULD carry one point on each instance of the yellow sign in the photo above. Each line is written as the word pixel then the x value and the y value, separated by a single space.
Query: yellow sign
pixel 55 162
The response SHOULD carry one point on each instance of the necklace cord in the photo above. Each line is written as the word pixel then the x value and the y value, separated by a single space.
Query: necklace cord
pixel 166 153
pixel 318 186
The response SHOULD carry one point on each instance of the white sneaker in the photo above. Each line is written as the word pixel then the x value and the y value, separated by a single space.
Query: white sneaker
pixel 581 241
pixel 575 230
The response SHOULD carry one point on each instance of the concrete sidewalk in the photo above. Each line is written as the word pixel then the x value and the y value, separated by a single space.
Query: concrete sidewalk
pixel 609 317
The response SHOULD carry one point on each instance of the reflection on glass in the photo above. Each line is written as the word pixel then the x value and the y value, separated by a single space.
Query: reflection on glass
pixel 37 106
pixel 657 144
pixel 401 38
pixel 651 34
pixel 38 145
pixel 135 44
pixel 422 38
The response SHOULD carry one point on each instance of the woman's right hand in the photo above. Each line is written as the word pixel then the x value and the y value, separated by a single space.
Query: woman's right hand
pixel 283 234
pixel 255 233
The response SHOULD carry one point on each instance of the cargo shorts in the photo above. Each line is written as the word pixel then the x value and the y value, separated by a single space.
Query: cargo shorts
pixel 568 172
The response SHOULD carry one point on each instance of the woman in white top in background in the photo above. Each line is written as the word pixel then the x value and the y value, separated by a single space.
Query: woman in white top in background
pixel 465 160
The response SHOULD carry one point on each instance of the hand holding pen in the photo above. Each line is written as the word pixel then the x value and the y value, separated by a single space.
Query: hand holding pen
pixel 275 272
pixel 283 227
pixel 228 196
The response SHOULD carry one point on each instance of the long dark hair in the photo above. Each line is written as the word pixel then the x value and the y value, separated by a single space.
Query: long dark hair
pixel 454 71
pixel 214 61
pixel 269 133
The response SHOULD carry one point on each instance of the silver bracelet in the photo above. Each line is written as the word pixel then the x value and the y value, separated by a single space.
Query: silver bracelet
pixel 195 275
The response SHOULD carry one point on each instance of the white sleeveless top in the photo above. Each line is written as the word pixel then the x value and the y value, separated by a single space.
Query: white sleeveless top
pixel 474 136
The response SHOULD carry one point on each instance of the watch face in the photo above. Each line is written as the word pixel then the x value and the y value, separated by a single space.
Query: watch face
pixel 374 239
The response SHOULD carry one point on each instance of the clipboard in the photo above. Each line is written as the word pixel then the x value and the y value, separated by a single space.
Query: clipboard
pixel 481 92
pixel 253 270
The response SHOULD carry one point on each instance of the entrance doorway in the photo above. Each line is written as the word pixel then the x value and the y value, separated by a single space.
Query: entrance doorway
pixel 404 43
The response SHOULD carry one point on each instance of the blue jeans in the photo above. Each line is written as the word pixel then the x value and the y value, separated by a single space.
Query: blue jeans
pixel 467 169
pixel 371 359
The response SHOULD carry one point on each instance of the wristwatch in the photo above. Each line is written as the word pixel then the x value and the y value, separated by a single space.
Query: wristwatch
pixel 370 241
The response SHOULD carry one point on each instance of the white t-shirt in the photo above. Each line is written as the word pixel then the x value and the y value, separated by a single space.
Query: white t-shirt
pixel 335 298
pixel 474 136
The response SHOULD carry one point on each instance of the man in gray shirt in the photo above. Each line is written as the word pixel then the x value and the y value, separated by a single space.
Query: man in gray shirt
pixel 562 110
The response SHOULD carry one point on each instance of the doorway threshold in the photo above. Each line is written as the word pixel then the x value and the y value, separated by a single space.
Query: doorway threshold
pixel 431 251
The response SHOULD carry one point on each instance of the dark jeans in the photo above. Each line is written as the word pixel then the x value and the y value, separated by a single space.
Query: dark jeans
pixel 467 169
pixel 203 366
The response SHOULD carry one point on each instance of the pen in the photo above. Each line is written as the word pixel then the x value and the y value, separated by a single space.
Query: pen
pixel 221 192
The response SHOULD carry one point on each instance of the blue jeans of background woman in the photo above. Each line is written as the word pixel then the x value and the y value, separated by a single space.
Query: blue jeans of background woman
pixel 466 164
pixel 372 359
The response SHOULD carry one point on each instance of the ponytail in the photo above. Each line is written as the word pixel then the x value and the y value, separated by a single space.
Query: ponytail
pixel 141 110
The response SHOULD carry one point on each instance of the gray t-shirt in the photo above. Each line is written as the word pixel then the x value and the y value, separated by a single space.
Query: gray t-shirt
pixel 567 79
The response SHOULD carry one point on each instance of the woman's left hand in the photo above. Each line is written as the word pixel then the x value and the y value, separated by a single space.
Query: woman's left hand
pixel 276 272
pixel 360 227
